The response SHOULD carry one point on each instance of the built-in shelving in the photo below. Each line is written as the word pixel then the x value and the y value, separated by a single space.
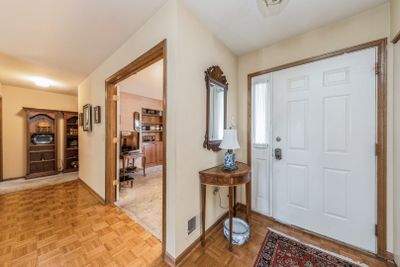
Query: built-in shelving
pixel 71 142
pixel 152 135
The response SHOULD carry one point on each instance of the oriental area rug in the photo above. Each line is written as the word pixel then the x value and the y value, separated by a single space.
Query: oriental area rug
pixel 283 251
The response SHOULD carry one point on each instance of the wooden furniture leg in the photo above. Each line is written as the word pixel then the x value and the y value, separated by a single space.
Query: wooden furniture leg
pixel 234 201
pixel 248 201
pixel 230 216
pixel 123 168
pixel 144 165
pixel 203 214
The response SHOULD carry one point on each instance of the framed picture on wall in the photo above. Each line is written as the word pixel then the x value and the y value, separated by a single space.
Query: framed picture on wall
pixel 87 118
pixel 97 114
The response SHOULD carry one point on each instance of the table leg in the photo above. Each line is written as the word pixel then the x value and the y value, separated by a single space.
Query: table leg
pixel 231 188
pixel 248 202
pixel 144 165
pixel 234 201
pixel 123 168
pixel 203 214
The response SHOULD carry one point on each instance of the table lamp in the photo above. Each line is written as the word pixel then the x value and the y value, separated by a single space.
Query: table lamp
pixel 230 142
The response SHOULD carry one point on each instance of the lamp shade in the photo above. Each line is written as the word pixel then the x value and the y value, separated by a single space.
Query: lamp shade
pixel 230 140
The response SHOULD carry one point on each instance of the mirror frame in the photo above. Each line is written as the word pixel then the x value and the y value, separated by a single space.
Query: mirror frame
pixel 136 118
pixel 214 74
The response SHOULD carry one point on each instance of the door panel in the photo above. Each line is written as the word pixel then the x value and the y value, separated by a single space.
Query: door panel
pixel 324 114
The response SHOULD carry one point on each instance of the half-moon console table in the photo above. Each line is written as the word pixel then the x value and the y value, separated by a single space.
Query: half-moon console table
pixel 217 176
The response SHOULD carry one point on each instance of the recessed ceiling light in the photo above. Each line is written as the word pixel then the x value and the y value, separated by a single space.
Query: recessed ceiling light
pixel 42 82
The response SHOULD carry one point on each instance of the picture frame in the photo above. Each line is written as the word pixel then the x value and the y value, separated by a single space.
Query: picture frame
pixel 97 114
pixel 87 118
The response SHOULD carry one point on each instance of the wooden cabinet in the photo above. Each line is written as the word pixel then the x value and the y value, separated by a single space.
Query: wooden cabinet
pixel 41 142
pixel 153 152
pixel 160 154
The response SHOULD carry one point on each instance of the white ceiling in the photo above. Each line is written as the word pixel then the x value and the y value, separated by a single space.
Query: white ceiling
pixel 147 83
pixel 242 28
pixel 65 40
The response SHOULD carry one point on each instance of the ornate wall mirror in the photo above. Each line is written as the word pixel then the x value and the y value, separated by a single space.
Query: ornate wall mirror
pixel 136 121
pixel 217 89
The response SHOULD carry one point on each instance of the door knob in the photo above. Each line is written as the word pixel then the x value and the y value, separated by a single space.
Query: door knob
pixel 278 153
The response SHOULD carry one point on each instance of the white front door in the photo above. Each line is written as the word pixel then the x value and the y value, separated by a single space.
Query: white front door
pixel 324 123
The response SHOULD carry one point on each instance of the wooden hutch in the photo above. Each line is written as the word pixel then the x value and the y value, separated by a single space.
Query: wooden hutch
pixel 41 142
pixel 152 136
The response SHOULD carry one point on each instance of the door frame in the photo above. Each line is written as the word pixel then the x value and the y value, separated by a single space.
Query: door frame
pixel 1 138
pixel 381 146
pixel 153 55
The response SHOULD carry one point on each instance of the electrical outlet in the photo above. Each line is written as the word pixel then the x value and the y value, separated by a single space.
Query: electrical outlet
pixel 216 190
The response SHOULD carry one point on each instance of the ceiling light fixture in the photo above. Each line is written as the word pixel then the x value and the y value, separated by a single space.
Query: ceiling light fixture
pixel 270 8
pixel 42 82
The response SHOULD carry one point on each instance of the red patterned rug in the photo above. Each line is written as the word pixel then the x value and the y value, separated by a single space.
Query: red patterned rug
pixel 278 250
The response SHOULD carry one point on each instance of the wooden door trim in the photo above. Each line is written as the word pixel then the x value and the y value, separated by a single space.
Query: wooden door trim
pixel 381 127
pixel 1 138
pixel 153 55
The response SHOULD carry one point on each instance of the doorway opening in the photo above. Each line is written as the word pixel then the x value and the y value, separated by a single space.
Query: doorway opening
pixel 317 145
pixel 136 117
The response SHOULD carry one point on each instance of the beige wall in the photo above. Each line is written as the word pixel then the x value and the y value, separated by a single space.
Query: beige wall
pixel 198 50
pixel 131 103
pixel 368 26
pixel 163 25
pixel 186 114
pixel 395 17
pixel 191 49
pixel 14 123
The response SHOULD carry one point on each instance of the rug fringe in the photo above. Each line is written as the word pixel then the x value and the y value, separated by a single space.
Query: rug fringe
pixel 321 249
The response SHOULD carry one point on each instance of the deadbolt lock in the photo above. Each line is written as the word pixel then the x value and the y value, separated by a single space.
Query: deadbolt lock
pixel 278 153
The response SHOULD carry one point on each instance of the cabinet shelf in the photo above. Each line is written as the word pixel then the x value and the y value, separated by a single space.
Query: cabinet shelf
pixel 41 145
pixel 151 115
pixel 151 131
pixel 42 151
pixel 41 161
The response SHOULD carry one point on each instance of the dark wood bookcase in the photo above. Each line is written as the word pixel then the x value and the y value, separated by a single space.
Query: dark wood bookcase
pixel 41 142
pixel 71 142
pixel 152 136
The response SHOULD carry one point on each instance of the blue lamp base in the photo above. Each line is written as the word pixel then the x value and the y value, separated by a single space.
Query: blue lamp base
pixel 230 161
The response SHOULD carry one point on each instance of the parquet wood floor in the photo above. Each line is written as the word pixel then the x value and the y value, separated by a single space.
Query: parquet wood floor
pixel 64 225
pixel 216 253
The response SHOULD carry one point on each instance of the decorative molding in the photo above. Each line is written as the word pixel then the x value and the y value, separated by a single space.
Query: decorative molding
pixel 13 178
pixel 94 193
